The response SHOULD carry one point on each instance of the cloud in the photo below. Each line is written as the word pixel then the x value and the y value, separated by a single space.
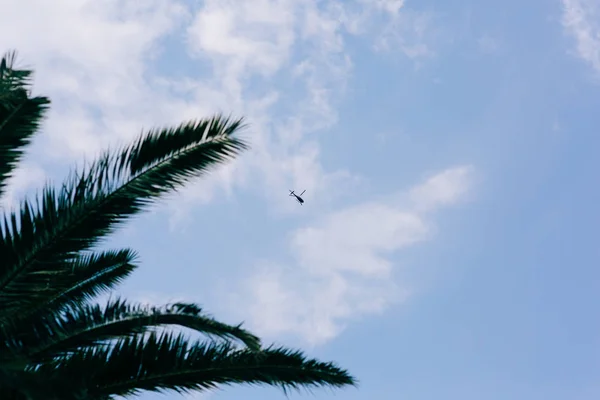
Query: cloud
pixel 26 176
pixel 442 189
pixel 488 44
pixel 113 67
pixel 91 59
pixel 244 38
pixel 410 32
pixel 581 20
pixel 343 263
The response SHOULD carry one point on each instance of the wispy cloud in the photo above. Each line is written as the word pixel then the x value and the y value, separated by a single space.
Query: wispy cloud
pixel 26 176
pixel 343 262
pixel 442 189
pixel 488 44
pixel 581 18
pixel 281 63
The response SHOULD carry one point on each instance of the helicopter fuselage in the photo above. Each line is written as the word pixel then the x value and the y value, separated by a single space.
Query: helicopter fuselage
pixel 298 198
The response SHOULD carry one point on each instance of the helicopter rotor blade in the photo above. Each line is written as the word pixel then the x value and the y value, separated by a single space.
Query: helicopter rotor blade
pixel 302 193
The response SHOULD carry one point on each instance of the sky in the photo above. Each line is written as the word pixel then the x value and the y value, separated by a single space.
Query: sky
pixel 448 245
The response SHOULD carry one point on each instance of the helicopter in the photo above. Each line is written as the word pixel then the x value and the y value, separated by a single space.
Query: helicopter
pixel 300 200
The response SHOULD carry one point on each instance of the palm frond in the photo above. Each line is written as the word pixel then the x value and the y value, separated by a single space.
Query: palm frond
pixel 160 145
pixel 48 336
pixel 91 275
pixel 51 290
pixel 33 385
pixel 20 116
pixel 170 362
pixel 20 385
pixel 92 204
pixel 13 79
pixel 55 345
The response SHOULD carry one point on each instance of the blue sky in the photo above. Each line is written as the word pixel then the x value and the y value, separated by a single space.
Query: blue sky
pixel 447 247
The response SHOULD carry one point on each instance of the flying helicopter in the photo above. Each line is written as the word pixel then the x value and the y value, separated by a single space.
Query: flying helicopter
pixel 298 198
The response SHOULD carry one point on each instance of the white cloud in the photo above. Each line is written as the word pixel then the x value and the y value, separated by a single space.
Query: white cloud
pixel 342 266
pixel 442 189
pixel 26 176
pixel 581 20
pixel 101 64
pixel 278 41
pixel 91 59
pixel 281 63
pixel 243 38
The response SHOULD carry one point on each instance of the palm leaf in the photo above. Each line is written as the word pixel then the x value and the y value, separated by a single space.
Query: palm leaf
pixel 91 275
pixel 54 345
pixel 83 278
pixel 12 78
pixel 20 116
pixel 88 325
pixel 170 362
pixel 33 385
pixel 94 203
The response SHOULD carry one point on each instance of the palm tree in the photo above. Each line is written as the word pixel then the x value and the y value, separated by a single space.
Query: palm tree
pixel 55 341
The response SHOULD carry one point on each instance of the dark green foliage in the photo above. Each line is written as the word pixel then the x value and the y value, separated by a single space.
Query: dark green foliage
pixel 20 115
pixel 56 343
